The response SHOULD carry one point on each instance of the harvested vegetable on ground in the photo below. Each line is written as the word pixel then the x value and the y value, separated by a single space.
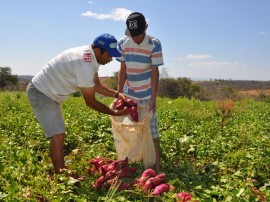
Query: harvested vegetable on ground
pixel 161 189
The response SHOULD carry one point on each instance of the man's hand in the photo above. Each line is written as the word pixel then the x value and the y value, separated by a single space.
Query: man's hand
pixel 152 105
pixel 121 96
pixel 122 112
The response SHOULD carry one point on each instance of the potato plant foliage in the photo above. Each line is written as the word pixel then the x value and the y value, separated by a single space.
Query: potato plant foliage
pixel 213 155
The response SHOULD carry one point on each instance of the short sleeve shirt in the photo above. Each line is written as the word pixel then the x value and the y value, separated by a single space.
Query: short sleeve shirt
pixel 67 72
pixel 139 60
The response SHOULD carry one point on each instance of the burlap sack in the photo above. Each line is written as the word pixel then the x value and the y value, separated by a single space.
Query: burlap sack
pixel 133 139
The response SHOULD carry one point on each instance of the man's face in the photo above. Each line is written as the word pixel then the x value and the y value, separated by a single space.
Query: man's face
pixel 138 39
pixel 103 58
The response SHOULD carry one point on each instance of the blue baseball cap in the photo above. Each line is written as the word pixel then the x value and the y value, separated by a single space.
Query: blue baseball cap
pixel 108 43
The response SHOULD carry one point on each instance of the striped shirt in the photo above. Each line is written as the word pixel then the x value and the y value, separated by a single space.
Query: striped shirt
pixel 139 60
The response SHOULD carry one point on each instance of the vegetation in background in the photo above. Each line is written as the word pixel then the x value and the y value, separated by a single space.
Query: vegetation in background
pixel 200 155
pixel 180 87
pixel 7 78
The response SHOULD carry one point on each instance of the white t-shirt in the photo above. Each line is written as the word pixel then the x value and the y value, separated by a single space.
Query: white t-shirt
pixel 64 74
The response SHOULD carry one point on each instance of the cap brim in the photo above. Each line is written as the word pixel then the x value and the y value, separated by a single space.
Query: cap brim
pixel 114 53
pixel 136 33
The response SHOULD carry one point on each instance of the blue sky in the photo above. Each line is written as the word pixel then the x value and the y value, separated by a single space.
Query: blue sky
pixel 201 39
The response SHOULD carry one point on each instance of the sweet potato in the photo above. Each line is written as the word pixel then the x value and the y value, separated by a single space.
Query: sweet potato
pixel 160 178
pixel 149 184
pixel 130 104
pixel 95 160
pixel 133 109
pixel 96 164
pixel 124 172
pixel 123 186
pixel 119 104
pixel 146 174
pixel 117 165
pixel 102 168
pixel 149 173
pixel 183 196
pixel 100 181
pixel 92 170
pixel 152 182
pixel 161 189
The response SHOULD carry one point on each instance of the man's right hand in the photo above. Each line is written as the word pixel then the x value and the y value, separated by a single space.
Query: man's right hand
pixel 122 112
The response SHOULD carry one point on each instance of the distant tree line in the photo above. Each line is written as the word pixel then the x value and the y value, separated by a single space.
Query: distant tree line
pixel 7 79
pixel 180 87
pixel 237 84
pixel 168 87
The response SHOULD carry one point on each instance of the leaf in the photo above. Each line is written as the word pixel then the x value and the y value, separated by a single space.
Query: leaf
pixel 178 181
pixel 240 192
pixel 3 195
pixel 72 180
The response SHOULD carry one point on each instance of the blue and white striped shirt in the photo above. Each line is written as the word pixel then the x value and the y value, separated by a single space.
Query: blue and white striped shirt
pixel 139 60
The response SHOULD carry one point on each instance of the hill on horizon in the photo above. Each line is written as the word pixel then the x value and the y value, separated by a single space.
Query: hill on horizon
pixel 25 77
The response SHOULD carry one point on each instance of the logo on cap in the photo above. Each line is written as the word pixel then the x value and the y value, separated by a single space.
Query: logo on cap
pixel 101 42
pixel 113 45
pixel 133 24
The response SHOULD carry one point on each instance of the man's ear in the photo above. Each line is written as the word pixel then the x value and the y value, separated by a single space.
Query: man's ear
pixel 97 51
pixel 146 26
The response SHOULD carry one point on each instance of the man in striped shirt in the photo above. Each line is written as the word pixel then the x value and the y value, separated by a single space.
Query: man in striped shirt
pixel 139 75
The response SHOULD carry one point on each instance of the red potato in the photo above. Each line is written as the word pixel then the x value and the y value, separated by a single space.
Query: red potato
pixel 100 163
pixel 95 161
pixel 125 172
pixel 161 189
pixel 147 174
pixel 133 109
pixel 101 180
pixel 131 102
pixel 120 105
pixel 104 178
pixel 149 184
pixel 108 178
pixel 159 179
pixel 152 182
pixel 117 165
pixel 120 186
pixel 96 164
pixel 92 170
pixel 183 196
pixel 123 186
pixel 109 184
pixel 135 115
pixel 102 168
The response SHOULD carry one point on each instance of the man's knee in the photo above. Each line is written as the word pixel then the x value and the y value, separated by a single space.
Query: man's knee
pixel 59 138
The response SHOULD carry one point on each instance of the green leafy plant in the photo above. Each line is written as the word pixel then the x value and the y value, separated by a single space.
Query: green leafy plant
pixel 214 157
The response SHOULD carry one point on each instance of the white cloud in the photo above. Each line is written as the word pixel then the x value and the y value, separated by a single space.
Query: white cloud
pixel 197 57
pixel 90 2
pixel 117 14
pixel 215 65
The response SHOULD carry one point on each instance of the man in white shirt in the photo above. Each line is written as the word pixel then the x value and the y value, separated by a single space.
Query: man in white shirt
pixel 73 70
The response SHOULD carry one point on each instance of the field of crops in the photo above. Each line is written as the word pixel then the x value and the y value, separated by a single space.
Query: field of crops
pixel 216 151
